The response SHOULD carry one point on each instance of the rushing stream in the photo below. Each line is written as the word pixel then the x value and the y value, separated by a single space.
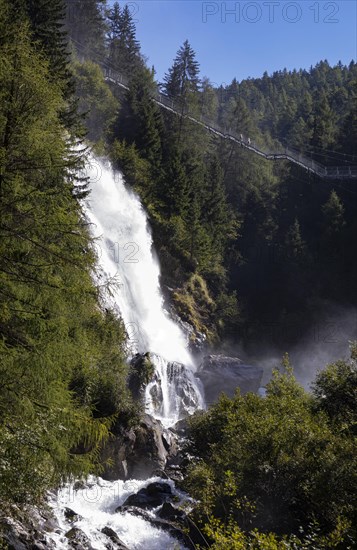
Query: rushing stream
pixel 127 259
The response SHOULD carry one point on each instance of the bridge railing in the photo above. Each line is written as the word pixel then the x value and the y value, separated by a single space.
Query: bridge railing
pixel 288 153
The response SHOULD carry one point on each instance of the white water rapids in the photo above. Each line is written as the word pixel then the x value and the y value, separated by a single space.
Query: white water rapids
pixel 126 257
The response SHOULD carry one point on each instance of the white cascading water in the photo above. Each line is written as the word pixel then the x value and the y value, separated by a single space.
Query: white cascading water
pixel 125 251
pixel 125 257
pixel 95 504
pixel 125 254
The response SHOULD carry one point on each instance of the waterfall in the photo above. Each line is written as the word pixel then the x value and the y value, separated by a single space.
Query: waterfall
pixel 126 259
pixel 125 251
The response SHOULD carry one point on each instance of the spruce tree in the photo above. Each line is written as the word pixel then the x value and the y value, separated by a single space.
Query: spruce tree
pixel 333 211
pixel 124 48
pixel 52 331
pixel 86 27
pixel 324 126
pixel 182 80
pixel 215 212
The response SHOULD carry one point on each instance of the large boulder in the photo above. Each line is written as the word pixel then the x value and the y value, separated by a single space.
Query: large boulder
pixel 27 528
pixel 139 452
pixel 117 543
pixel 77 539
pixel 116 452
pixel 151 496
pixel 224 374
pixel 153 445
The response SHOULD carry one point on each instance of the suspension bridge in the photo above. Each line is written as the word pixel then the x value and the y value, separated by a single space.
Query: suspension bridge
pixel 311 166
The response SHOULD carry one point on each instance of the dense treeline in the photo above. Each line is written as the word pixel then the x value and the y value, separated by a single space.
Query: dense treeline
pixel 62 368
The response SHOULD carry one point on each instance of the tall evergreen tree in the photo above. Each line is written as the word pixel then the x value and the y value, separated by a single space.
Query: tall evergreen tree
pixel 333 212
pixel 52 331
pixel 182 80
pixel 215 211
pixel 324 126
pixel 85 24
pixel 124 48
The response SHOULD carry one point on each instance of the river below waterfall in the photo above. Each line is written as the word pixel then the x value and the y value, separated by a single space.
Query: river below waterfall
pixel 127 259
pixel 95 506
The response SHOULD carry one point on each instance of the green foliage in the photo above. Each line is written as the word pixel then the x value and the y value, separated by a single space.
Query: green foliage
pixel 182 80
pixel 124 49
pixel 96 100
pixel 52 332
pixel 335 389
pixel 86 26
pixel 333 213
pixel 195 305
pixel 278 463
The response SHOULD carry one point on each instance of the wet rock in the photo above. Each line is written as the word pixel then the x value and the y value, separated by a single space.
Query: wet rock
pixel 224 374
pixel 145 381
pixel 180 428
pixel 138 452
pixel 117 450
pixel 78 539
pixel 71 515
pixel 111 534
pixel 149 452
pixel 174 472
pixel 170 443
pixel 151 496
pixel 163 524
pixel 195 340
pixel 26 529
pixel 171 513
pixel 78 485
pixel 185 391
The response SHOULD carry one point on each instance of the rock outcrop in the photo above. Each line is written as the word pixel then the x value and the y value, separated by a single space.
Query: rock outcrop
pixel 152 379
pixel 224 374
pixel 139 452
pixel 26 528
pixel 151 496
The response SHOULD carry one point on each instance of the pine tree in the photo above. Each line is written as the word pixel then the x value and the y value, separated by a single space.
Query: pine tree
pixel 208 99
pixel 51 328
pixel 348 133
pixel 86 27
pixel 147 116
pixel 124 48
pixel 182 80
pixel 299 135
pixel 237 118
pixel 215 211
pixel 294 242
pixel 114 19
pixel 324 126
pixel 175 189
pixel 333 211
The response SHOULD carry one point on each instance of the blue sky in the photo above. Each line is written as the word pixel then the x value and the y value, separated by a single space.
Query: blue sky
pixel 245 38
